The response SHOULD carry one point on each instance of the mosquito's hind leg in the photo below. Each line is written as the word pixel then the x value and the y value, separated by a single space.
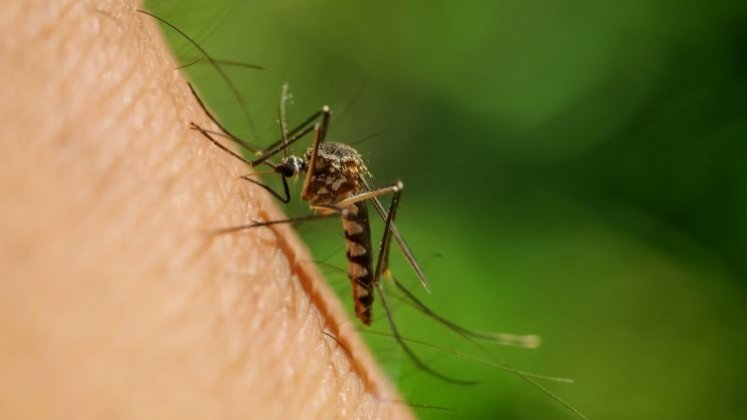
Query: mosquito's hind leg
pixel 525 341
pixel 382 263
pixel 406 252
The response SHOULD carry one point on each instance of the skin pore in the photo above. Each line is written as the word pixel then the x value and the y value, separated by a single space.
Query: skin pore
pixel 115 302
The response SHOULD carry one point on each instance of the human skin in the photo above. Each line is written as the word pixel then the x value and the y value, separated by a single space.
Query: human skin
pixel 115 301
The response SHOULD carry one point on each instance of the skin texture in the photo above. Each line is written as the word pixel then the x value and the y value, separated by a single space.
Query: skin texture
pixel 115 302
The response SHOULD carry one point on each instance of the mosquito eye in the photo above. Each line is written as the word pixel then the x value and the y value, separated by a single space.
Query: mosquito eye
pixel 291 166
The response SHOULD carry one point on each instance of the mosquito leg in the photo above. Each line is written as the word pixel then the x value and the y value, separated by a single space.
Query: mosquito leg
pixel 212 62
pixel 300 219
pixel 281 145
pixel 401 242
pixel 391 230
pixel 411 354
pixel 373 195
pixel 297 133
pixel 285 198
pixel 307 123
pixel 525 341
pixel 236 139
pixel 382 263
pixel 218 134
pixel 368 195
pixel 208 134
pixel 298 136
pixel 312 162
pixel 381 266
pixel 218 144
pixel 359 252
pixel 283 142
pixel 191 63
pixel 220 62
pixel 326 115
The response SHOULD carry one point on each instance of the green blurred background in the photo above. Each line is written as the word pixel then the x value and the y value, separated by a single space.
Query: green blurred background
pixel 573 169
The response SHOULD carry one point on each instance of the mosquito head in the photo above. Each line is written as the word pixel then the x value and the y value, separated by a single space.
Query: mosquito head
pixel 291 166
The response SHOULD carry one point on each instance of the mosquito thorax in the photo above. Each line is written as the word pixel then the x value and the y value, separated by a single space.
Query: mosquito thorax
pixel 338 173
pixel 339 158
pixel 291 166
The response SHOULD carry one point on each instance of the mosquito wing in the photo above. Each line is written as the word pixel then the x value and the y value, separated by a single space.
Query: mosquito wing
pixel 400 241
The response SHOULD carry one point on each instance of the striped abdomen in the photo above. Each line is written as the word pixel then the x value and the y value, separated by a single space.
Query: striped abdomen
pixel 358 252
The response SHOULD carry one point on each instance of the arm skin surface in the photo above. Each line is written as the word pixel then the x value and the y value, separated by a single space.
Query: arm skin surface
pixel 115 303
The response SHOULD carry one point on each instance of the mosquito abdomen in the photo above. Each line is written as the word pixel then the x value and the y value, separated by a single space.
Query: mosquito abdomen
pixel 358 252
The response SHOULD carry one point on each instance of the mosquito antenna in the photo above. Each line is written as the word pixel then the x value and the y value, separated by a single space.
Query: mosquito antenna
pixel 213 63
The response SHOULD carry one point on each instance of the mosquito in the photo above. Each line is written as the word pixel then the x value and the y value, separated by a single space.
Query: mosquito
pixel 336 184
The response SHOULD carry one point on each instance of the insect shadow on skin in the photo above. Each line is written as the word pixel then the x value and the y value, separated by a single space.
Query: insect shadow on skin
pixel 335 184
